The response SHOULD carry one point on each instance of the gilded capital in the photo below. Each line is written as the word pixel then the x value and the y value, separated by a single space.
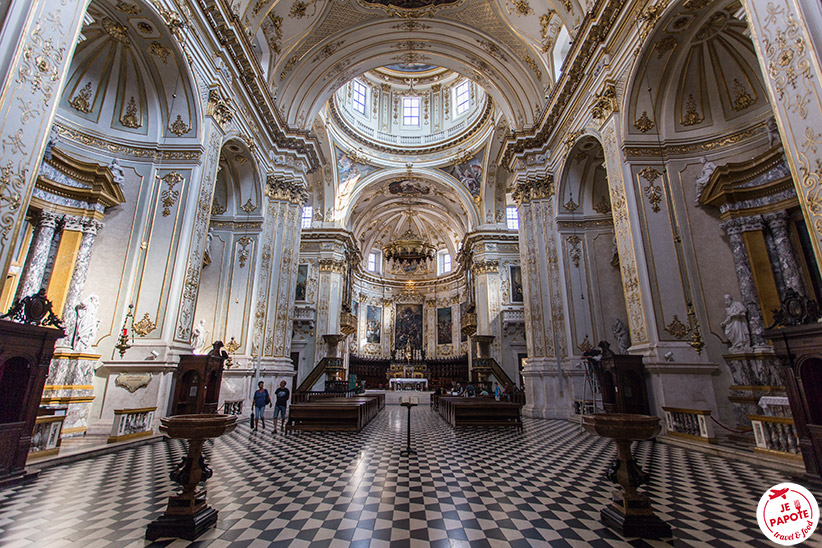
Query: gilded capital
pixel 330 265
pixel 285 188
pixel 536 188
pixel 485 267
pixel 605 103
pixel 218 109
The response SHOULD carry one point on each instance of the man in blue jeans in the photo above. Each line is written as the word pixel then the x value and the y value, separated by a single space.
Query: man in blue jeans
pixel 261 399
pixel 280 402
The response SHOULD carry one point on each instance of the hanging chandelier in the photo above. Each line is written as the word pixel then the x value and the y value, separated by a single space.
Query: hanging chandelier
pixel 409 248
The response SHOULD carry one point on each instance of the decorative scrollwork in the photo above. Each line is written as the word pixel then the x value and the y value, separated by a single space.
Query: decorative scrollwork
pixel 144 326
pixel 169 196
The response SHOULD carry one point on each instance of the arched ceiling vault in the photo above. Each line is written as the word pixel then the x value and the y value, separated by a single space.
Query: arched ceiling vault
pixel 311 47
pixel 701 68
pixel 376 190
pixel 428 205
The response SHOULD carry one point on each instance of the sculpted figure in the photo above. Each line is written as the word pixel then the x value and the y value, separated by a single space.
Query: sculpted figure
pixel 621 336
pixel 116 171
pixel 85 330
pixel 735 325
pixel 198 337
pixel 708 168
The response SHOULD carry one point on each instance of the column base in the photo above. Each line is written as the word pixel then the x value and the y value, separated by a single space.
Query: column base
pixel 188 527
pixel 642 526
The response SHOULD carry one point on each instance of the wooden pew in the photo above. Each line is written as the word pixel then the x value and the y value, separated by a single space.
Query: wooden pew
pixel 459 411
pixel 326 416
pixel 335 414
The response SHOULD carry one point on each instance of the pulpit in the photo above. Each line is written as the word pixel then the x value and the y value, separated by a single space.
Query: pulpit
pixel 622 382
pixel 198 380
pixel 25 354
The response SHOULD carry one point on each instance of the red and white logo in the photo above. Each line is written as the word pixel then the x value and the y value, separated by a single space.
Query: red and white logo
pixel 787 514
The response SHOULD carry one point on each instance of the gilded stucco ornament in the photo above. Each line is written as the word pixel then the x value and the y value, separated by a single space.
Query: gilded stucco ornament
pixel 643 123
pixel 82 101
pixel 170 195
pixel 144 326
pixel 652 191
pixel 131 118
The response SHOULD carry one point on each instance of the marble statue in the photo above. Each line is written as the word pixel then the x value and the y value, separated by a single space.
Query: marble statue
pixel 85 329
pixel 207 252
pixel 773 132
pixel 199 335
pixel 116 171
pixel 708 168
pixel 54 139
pixel 623 340
pixel 735 325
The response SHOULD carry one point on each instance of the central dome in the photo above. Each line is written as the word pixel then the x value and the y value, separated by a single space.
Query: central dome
pixel 410 109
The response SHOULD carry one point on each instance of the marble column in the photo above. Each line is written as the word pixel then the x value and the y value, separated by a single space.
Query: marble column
pixel 78 278
pixel 277 274
pixel 734 228
pixel 547 395
pixel 36 47
pixel 782 32
pixel 783 250
pixel 39 254
pixel 488 298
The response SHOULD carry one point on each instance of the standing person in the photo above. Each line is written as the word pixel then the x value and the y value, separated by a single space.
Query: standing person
pixel 261 399
pixel 281 400
pixel 497 392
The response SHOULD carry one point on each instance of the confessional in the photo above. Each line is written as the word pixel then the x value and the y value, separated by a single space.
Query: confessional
pixel 25 354
pixel 197 384
pixel 800 348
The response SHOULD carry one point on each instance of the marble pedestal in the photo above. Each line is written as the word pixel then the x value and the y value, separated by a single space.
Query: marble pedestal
pixel 69 384
pixel 755 374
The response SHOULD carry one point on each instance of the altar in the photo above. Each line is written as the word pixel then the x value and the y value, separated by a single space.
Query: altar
pixel 408 384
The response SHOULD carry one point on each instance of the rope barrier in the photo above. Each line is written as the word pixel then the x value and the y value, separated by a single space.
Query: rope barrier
pixel 731 429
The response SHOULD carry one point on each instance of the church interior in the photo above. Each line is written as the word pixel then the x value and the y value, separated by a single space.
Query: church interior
pixel 551 250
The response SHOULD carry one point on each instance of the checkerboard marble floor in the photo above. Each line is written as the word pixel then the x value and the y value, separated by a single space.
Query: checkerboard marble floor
pixel 473 487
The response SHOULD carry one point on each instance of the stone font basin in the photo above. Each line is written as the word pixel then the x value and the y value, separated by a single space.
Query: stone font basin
pixel 622 426
pixel 197 427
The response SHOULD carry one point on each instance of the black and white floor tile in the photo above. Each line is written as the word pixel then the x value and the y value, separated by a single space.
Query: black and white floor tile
pixel 468 488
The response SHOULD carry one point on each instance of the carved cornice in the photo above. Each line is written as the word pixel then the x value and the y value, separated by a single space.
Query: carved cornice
pixel 286 189
pixel 536 188
pixel 739 186
pixel 154 154
pixel 653 151
pixel 101 188
pixel 227 27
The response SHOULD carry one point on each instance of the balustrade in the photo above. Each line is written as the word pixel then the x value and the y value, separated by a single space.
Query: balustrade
pixel 776 436
pixel 692 424
pixel 45 440
pixel 132 423
pixel 233 407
